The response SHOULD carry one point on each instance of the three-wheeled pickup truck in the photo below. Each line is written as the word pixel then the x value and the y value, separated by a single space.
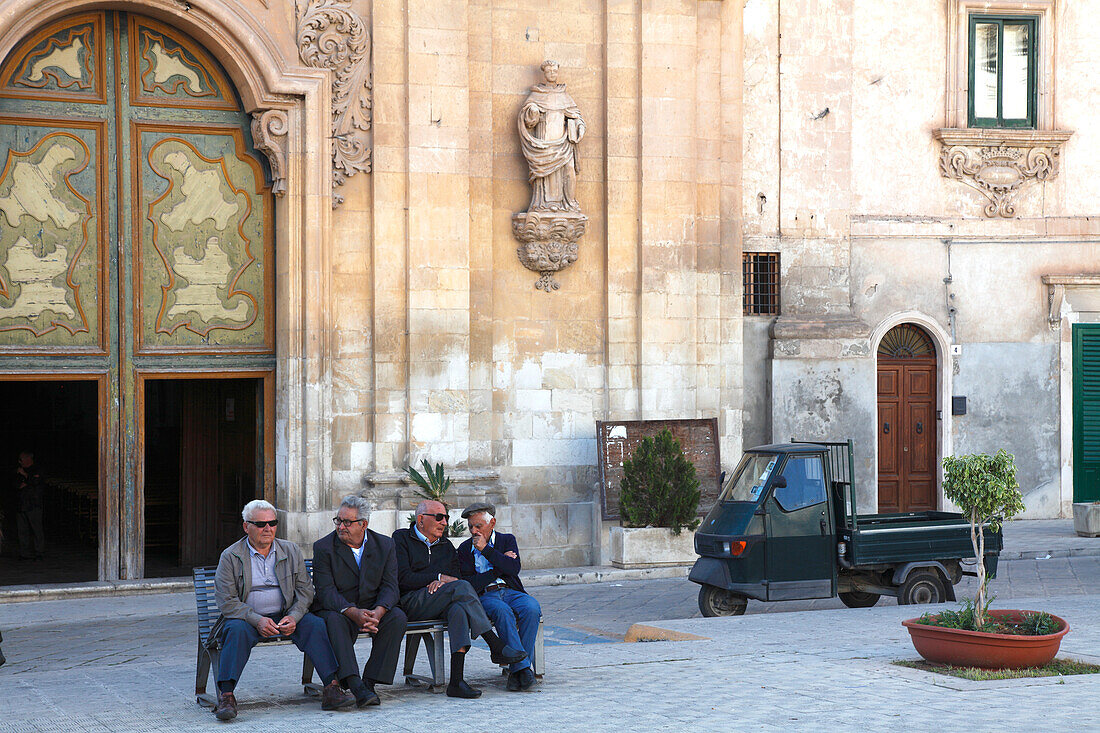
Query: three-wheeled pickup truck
pixel 785 528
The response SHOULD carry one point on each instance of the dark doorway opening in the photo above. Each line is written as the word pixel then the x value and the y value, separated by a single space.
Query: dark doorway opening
pixel 203 462
pixel 51 524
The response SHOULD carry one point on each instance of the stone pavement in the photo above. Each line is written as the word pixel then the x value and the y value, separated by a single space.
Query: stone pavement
pixel 128 664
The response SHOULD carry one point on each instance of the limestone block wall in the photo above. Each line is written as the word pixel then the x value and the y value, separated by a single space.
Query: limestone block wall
pixel 441 348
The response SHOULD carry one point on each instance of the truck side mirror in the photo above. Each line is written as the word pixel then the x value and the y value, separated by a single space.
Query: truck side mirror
pixel 780 482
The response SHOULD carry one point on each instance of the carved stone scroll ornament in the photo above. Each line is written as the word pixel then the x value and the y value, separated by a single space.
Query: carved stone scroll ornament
pixel 333 36
pixel 550 127
pixel 269 135
pixel 1000 168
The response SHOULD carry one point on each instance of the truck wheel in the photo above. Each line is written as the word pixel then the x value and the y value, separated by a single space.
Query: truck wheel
pixel 922 586
pixel 720 602
pixel 859 599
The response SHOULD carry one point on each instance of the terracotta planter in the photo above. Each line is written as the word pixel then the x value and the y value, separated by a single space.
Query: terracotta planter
pixel 988 651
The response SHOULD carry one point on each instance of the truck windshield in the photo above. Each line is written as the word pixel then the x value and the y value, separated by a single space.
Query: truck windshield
pixel 748 480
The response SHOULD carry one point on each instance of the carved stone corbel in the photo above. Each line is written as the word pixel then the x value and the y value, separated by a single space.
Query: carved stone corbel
pixel 269 135
pixel 1056 293
pixel 999 164
pixel 333 36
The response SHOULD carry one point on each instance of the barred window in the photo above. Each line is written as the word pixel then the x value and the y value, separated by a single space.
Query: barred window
pixel 760 272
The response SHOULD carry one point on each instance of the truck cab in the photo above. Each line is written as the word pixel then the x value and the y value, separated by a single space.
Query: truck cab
pixel 775 522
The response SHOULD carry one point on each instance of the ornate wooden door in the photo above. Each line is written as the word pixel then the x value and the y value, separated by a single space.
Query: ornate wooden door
pixel 135 230
pixel 906 421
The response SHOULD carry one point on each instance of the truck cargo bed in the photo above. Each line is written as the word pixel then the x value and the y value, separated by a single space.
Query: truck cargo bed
pixel 912 537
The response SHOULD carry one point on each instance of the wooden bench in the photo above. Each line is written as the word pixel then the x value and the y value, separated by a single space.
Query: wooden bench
pixel 430 632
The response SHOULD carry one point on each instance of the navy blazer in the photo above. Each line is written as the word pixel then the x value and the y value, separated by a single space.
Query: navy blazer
pixel 341 583
pixel 504 567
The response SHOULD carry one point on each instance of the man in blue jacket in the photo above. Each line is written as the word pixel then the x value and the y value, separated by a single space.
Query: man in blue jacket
pixel 489 561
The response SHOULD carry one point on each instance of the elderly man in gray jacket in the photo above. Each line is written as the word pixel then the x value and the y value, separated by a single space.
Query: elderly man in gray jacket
pixel 263 590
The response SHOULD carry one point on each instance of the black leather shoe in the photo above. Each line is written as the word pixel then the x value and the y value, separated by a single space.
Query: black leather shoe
pixel 508 655
pixel 526 678
pixel 364 694
pixel 227 706
pixel 513 682
pixel 333 697
pixel 461 689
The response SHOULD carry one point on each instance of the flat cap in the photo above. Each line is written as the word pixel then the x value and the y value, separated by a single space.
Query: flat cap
pixel 479 506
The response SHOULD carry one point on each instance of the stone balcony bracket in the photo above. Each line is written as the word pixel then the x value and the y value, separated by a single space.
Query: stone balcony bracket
pixel 1084 288
pixel 1000 163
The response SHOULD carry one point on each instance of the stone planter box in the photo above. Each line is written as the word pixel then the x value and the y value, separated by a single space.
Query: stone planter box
pixel 1086 519
pixel 651 547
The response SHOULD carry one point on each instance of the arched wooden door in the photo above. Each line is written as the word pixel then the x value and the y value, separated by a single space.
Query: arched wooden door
pixel 907 422
pixel 135 235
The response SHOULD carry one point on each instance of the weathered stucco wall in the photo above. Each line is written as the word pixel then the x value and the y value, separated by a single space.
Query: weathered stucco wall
pixel 871 233
pixel 825 399
pixel 758 384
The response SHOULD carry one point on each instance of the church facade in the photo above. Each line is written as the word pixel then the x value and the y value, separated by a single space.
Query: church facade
pixel 286 249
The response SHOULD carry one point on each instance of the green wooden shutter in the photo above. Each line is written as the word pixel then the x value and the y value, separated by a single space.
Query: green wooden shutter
pixel 1086 412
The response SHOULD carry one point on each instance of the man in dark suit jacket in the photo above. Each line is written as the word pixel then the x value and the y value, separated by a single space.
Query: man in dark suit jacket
pixel 427 573
pixel 355 574
pixel 489 560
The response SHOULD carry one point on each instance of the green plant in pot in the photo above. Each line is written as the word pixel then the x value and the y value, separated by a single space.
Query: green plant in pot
pixel 433 485
pixel 659 486
pixel 985 489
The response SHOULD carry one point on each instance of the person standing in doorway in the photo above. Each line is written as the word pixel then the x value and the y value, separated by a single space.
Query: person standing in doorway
pixel 28 497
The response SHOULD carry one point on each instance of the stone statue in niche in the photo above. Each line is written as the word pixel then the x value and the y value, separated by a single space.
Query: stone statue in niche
pixel 550 127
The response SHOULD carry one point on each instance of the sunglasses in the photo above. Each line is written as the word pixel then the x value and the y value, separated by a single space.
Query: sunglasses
pixel 345 522
pixel 436 517
pixel 268 523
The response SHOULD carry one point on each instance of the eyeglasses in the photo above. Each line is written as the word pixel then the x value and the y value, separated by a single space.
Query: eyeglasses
pixel 436 517
pixel 345 522
pixel 268 523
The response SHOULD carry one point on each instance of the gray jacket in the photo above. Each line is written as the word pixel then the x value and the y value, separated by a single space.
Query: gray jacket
pixel 233 581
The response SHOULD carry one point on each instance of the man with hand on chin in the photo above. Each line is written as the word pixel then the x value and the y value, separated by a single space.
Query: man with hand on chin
pixel 355 573
pixel 263 589
pixel 489 560
pixel 427 574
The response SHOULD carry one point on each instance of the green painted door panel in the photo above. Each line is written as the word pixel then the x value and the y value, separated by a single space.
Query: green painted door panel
pixel 135 230
pixel 1086 412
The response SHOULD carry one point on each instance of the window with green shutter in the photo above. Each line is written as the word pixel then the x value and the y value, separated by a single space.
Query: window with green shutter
pixel 1003 59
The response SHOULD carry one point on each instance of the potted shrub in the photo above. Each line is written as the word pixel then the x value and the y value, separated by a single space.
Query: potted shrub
pixel 658 499
pixel 433 485
pixel 985 489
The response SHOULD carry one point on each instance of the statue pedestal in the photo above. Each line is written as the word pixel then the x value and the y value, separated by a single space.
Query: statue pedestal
pixel 548 242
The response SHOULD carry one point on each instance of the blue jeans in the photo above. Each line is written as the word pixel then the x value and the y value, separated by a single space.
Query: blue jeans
pixel 516 618
pixel 310 636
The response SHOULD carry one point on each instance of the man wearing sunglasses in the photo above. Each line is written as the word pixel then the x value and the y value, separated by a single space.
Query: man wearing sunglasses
pixel 263 590
pixel 355 573
pixel 427 575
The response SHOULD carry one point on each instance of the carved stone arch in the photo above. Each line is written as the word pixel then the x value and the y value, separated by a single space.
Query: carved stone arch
pixel 267 80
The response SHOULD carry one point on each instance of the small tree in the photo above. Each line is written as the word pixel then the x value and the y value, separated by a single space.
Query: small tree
pixel 433 485
pixel 659 487
pixel 985 489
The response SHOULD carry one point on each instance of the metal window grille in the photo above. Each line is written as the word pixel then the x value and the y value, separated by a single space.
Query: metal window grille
pixel 760 272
